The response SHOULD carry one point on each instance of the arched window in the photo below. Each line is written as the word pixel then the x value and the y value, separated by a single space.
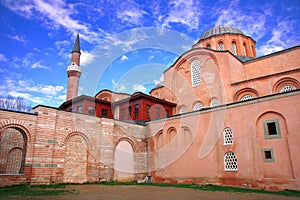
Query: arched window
pixel 244 49
pixel 198 106
pixel 221 46
pixel 287 88
pixel 246 97
pixel 13 151
pixel 228 136
pixel 208 46
pixel 214 102
pixel 160 140
pixel 253 51
pixel 285 85
pixel 234 48
pixel 183 109
pixel 230 162
pixel 195 73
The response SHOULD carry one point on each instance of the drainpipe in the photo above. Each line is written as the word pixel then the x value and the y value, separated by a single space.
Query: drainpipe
pixel 148 154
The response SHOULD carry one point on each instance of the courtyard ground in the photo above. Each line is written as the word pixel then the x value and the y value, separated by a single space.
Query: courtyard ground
pixel 133 192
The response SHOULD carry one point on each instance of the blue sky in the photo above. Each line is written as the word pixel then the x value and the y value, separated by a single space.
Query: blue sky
pixel 125 45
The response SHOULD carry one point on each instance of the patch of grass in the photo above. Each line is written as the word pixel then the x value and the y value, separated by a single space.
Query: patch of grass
pixel 210 187
pixel 37 190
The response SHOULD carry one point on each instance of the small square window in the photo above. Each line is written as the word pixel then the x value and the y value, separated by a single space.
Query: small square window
pixel 79 109
pixel 272 129
pixel 91 110
pixel 268 155
pixel 104 112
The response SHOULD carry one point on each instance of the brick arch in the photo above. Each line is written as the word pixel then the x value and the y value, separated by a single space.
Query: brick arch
pixel 20 125
pixel 182 106
pixel 190 56
pixel 239 94
pixel 104 95
pixel 13 149
pixel 196 102
pixel 71 132
pixel 278 144
pixel 159 139
pixel 127 139
pixel 180 79
pixel 218 43
pixel 284 82
pixel 187 136
pixel 271 113
pixel 124 160
pixel 76 157
pixel 171 137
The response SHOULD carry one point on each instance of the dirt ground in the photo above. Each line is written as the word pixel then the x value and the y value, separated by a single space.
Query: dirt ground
pixel 96 192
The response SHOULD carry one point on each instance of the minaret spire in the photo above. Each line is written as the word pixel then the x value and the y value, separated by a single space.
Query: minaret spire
pixel 74 71
pixel 76 47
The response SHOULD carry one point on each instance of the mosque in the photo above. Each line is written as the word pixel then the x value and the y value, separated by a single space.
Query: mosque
pixel 221 116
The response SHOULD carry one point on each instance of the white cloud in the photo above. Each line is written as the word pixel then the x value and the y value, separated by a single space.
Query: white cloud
pixel 119 87
pixel 282 36
pixel 23 95
pixel 55 14
pixel 28 61
pixel 123 58
pixel 161 79
pixel 150 57
pixel 268 49
pixel 132 15
pixel 184 12
pixel 139 88
pixel 86 58
pixel 31 92
pixel 51 90
pixel 3 58
pixel 127 43
pixel 251 22
pixel 39 65
pixel 17 38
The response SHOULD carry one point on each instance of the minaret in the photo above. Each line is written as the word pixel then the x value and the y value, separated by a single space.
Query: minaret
pixel 74 71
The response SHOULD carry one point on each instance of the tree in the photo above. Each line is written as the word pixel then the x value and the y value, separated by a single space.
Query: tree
pixel 16 104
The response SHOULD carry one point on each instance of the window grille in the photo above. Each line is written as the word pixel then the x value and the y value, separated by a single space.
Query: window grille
pixel 228 136
pixel 287 88
pixel 195 72
pixel 234 48
pixel 221 46
pixel 214 102
pixel 246 97
pixel 198 106
pixel 230 162
pixel 183 109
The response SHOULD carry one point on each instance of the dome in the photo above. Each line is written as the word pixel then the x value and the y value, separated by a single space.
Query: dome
pixel 219 30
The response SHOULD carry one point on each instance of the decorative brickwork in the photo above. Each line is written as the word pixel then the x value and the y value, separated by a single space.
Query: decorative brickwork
pixel 75 165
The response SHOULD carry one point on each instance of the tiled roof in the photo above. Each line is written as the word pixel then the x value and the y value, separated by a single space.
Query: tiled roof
pixel 219 30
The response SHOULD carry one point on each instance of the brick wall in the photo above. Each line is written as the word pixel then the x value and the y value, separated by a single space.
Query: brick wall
pixel 70 147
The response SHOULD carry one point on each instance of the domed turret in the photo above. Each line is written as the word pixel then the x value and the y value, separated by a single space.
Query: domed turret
pixel 229 38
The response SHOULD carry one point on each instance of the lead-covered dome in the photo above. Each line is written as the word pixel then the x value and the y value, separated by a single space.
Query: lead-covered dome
pixel 219 30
